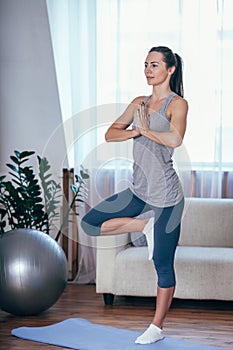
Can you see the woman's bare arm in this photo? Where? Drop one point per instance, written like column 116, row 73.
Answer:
column 118, row 130
column 173, row 137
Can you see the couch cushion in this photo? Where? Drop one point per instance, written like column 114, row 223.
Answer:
column 201, row 273
column 134, row 274
column 207, row 222
column 204, row 273
column 138, row 239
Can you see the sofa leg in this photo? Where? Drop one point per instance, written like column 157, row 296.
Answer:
column 108, row 298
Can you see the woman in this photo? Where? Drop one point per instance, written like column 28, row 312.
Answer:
column 158, row 126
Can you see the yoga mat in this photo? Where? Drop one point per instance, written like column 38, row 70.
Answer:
column 78, row 333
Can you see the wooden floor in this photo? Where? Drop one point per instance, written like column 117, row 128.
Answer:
column 202, row 322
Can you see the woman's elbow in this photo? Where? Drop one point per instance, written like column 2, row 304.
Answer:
column 110, row 135
column 175, row 142
column 107, row 137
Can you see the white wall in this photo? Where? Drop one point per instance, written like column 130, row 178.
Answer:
column 30, row 115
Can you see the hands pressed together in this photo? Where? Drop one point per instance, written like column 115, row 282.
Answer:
column 142, row 119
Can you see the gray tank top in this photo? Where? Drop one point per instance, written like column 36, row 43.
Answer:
column 155, row 180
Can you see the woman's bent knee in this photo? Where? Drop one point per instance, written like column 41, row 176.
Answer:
column 90, row 226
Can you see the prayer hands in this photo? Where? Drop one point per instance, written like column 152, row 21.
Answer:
column 142, row 118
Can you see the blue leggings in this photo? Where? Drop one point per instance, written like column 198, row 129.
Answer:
column 166, row 228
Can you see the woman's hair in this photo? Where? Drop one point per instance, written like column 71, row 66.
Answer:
column 172, row 59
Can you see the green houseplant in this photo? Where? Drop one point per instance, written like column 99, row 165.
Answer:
column 32, row 201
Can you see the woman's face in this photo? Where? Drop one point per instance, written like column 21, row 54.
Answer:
column 156, row 71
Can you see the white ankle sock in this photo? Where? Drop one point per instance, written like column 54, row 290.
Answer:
column 149, row 233
column 151, row 335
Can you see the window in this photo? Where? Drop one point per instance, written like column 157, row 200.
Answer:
column 100, row 48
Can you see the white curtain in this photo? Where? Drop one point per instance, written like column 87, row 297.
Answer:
column 99, row 50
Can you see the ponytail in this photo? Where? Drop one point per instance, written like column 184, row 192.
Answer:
column 172, row 59
column 176, row 82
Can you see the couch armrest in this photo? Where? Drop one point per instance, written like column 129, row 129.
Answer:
column 107, row 249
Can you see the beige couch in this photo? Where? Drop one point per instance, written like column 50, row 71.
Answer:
column 203, row 262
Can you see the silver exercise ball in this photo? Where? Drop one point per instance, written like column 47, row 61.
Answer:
column 33, row 271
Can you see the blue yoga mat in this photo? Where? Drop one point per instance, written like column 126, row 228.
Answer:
column 78, row 333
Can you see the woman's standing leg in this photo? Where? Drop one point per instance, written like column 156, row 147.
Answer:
column 166, row 237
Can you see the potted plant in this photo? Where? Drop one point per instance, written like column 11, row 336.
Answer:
column 28, row 201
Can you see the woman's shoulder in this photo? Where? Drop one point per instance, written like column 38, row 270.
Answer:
column 179, row 101
column 138, row 99
column 178, row 106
